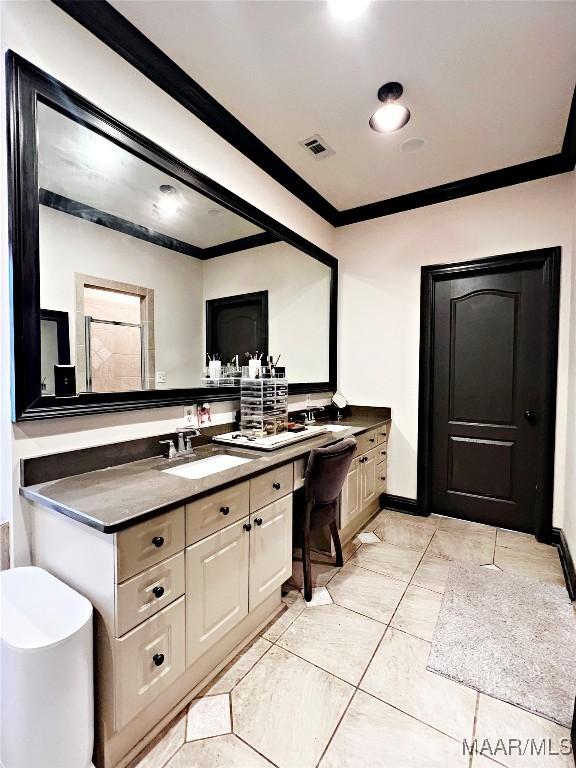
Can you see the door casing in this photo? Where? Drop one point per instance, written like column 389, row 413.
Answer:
column 549, row 260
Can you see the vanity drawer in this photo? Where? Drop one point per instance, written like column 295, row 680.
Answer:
column 148, row 660
column 144, row 595
column 210, row 514
column 366, row 441
column 148, row 543
column 270, row 487
column 382, row 453
column 381, row 477
column 382, row 433
column 299, row 473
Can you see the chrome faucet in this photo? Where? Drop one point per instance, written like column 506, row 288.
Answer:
column 309, row 417
column 184, row 438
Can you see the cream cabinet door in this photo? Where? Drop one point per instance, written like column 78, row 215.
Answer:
column 270, row 549
column 350, row 499
column 368, row 485
column 216, row 587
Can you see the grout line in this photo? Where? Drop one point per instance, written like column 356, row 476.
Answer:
column 474, row 725
column 412, row 717
column 255, row 750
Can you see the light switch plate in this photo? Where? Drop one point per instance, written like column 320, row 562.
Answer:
column 160, row 377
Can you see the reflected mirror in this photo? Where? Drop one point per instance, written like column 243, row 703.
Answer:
column 150, row 284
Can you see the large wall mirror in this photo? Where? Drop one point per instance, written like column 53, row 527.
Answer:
column 139, row 282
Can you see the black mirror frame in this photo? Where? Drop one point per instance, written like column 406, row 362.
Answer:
column 26, row 84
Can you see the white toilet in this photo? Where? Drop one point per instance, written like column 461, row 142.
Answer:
column 46, row 672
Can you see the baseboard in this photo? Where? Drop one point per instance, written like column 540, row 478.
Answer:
column 400, row 503
column 559, row 539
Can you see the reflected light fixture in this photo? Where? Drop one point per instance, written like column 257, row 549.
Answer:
column 169, row 202
column 347, row 10
column 391, row 116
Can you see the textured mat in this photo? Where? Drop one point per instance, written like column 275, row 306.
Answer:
column 508, row 637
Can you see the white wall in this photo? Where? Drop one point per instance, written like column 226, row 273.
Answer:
column 379, row 318
column 69, row 245
column 569, row 522
column 298, row 302
column 46, row 36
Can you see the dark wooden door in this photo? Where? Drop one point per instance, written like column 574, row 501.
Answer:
column 236, row 325
column 491, row 397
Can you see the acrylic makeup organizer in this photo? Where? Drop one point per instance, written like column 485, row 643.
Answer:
column 263, row 403
column 228, row 376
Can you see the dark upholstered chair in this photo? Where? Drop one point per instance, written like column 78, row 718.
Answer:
column 325, row 475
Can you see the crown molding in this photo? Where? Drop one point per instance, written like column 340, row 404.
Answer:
column 119, row 34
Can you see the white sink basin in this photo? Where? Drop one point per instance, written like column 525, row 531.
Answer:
column 204, row 467
column 338, row 427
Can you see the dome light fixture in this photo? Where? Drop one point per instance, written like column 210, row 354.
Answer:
column 347, row 10
column 391, row 116
column 169, row 201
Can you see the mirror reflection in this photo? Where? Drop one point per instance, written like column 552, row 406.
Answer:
column 146, row 283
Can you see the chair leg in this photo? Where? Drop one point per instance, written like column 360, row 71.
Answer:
column 306, row 565
column 337, row 545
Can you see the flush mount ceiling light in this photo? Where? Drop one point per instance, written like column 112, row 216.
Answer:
column 169, row 202
column 346, row 10
column 391, row 116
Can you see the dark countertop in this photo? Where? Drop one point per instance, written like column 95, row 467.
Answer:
column 117, row 497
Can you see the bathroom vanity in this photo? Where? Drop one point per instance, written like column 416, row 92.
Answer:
column 182, row 572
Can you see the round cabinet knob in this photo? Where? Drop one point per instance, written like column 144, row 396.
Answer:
column 158, row 591
column 383, row 453
column 158, row 541
column 383, row 477
column 224, row 510
column 247, row 527
column 371, row 440
column 529, row 415
column 158, row 659
column 276, row 486
column 258, row 521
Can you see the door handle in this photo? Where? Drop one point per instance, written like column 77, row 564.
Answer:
column 529, row 415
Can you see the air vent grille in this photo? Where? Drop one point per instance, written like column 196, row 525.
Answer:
column 317, row 147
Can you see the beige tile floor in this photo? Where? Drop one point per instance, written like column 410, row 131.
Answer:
column 342, row 682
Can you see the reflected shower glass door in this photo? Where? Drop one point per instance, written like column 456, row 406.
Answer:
column 114, row 356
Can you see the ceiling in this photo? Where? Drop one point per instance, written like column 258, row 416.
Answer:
column 489, row 84
column 81, row 165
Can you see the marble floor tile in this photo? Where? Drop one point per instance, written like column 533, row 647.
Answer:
column 468, row 549
column 522, row 542
column 209, row 716
column 366, row 592
column 387, row 559
column 238, row 667
column 432, row 573
column 541, row 566
column 499, row 720
column 221, row 752
column 287, row 709
column 320, row 596
column 418, row 612
column 375, row 521
column 397, row 674
column 465, row 527
column 427, row 521
column 374, row 735
column 321, row 574
column 350, row 547
column 335, row 639
column 294, row 605
column 404, row 534
column 368, row 537
column 164, row 746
